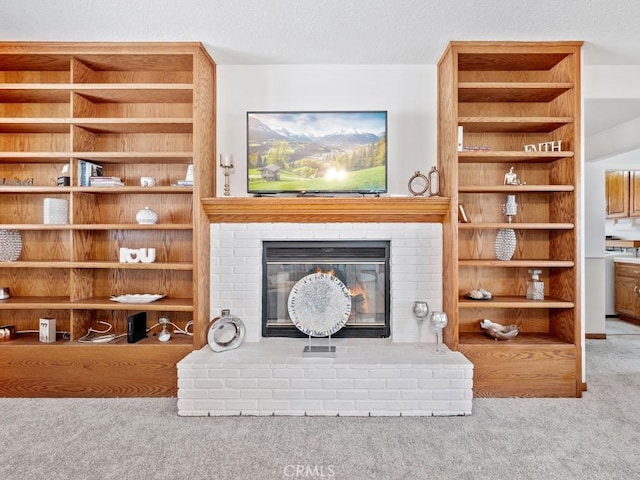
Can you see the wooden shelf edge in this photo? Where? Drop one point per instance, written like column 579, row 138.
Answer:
column 502, row 156
column 516, row 226
column 523, row 340
column 97, row 264
column 322, row 209
column 514, row 302
column 533, row 263
column 515, row 189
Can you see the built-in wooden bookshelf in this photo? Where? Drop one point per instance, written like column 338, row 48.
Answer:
column 506, row 95
column 136, row 109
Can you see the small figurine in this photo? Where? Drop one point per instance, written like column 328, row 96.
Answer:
column 510, row 178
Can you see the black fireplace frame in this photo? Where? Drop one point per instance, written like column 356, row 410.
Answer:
column 332, row 249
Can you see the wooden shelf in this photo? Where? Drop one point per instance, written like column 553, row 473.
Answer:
column 534, row 263
column 510, row 91
column 98, row 265
column 513, row 189
column 523, row 339
column 484, row 156
column 516, row 226
column 321, row 210
column 513, row 124
column 514, row 302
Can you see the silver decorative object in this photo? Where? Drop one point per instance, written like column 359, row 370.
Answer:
column 10, row 245
column 498, row 331
column 421, row 311
column 438, row 321
column 434, row 182
column 226, row 163
column 226, row 332
column 535, row 286
column 505, row 245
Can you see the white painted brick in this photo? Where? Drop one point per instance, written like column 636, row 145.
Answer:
column 224, row 413
column 185, row 383
column 208, row 383
column 416, row 373
column 307, row 405
column 321, row 373
column 434, row 384
column 466, row 384
column 338, row 383
column 421, row 394
column 435, row 405
column 288, row 394
column 240, row 383
column 402, row 383
column 353, row 373
column 384, row 394
column 223, row 373
column 273, row 405
column 306, row 383
column 257, row 393
column 449, row 394
column 208, row 404
column 224, row 394
column 256, row 373
column 320, row 394
column 193, row 393
column 385, row 413
column 369, row 383
column 288, row 373
column 273, row 383
column 338, row 405
column 352, row 394
column 449, row 373
column 242, row 404
column 402, row 405
column 382, row 373
column 370, row 405
column 192, row 373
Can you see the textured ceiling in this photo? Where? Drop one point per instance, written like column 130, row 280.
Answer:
column 332, row 31
column 341, row 31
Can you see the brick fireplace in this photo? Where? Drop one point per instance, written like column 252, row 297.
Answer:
column 398, row 375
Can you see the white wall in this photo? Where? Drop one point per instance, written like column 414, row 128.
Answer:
column 408, row 93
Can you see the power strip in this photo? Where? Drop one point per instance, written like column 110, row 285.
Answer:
column 104, row 338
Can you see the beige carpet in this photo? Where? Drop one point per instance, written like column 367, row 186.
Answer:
column 596, row 437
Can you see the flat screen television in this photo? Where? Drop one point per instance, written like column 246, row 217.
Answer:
column 317, row 152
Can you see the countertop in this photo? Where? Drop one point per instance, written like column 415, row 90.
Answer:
column 627, row 260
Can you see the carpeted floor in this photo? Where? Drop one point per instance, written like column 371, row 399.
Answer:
column 595, row 437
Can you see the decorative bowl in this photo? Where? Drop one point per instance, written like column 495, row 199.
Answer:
column 498, row 331
column 137, row 298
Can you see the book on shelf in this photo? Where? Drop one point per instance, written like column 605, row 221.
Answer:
column 86, row 170
column 184, row 183
column 105, row 182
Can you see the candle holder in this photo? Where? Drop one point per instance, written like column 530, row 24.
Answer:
column 226, row 163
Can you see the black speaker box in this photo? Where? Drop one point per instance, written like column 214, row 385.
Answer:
column 136, row 327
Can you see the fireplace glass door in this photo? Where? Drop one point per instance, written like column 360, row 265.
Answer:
column 362, row 266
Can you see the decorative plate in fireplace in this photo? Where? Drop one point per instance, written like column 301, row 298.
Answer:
column 319, row 304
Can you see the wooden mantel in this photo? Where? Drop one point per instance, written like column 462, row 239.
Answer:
column 326, row 210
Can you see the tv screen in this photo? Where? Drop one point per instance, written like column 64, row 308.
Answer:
column 317, row 152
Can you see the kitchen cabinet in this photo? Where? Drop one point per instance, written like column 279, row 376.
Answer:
column 622, row 191
column 627, row 289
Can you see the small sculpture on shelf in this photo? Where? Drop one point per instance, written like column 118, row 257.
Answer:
column 511, row 178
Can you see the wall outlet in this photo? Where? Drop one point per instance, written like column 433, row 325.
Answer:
column 47, row 330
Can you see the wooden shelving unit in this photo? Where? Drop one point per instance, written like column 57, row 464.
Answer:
column 507, row 95
column 137, row 109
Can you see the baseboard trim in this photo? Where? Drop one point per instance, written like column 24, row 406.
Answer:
column 595, row 336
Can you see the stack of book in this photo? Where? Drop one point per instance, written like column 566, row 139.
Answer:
column 86, row 170
column 105, row 182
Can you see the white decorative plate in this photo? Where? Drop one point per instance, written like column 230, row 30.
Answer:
column 137, row 298
column 319, row 304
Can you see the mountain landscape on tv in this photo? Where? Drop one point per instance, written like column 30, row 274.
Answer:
column 316, row 152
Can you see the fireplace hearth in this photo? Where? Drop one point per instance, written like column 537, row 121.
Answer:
column 362, row 266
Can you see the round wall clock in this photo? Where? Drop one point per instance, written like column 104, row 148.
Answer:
column 319, row 304
column 418, row 184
